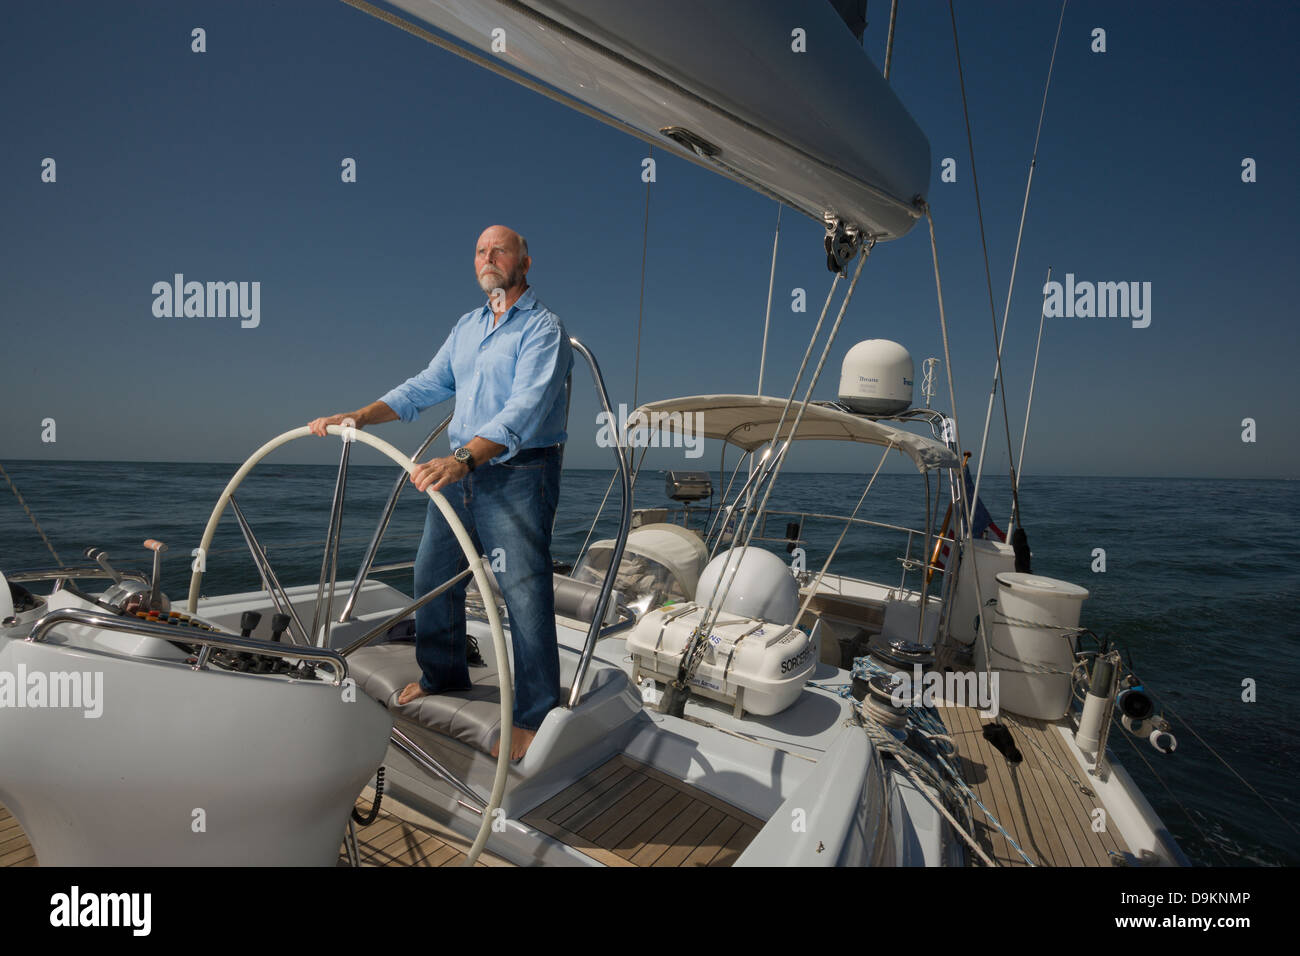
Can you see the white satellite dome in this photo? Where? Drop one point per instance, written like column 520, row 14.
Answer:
column 762, row 587
column 876, row 378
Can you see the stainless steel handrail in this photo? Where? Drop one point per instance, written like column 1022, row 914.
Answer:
column 206, row 639
column 72, row 571
column 625, row 524
column 397, row 566
column 864, row 521
column 373, row 548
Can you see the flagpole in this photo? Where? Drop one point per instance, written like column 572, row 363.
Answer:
column 938, row 545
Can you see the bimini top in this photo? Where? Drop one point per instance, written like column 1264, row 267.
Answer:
column 748, row 422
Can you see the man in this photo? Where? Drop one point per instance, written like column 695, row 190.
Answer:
column 506, row 364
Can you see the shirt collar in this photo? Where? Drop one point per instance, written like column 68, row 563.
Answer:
column 526, row 301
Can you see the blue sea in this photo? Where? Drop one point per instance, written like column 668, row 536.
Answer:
column 1199, row 588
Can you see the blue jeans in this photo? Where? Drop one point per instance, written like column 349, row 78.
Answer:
column 509, row 507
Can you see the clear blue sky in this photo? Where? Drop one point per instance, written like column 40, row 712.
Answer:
column 225, row 166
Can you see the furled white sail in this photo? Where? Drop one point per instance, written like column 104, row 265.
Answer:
column 777, row 93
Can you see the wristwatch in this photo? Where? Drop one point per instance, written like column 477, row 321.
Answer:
column 464, row 456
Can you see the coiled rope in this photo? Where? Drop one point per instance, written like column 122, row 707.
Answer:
column 928, row 725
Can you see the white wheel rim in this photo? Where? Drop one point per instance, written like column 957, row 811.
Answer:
column 505, row 679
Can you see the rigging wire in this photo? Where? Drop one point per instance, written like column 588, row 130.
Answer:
column 1000, row 338
column 640, row 308
column 694, row 651
column 1244, row 781
column 35, row 523
column 812, row 591
column 767, row 317
column 601, row 510
column 1172, row 796
column 779, row 459
column 965, row 500
column 770, row 457
column 1033, row 378
column 1015, row 259
column 984, row 246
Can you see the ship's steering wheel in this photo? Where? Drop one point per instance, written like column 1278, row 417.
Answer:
column 476, row 566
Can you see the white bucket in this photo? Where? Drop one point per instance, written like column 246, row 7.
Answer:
column 1029, row 630
column 989, row 558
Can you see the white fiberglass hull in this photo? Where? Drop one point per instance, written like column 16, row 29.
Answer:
column 180, row 766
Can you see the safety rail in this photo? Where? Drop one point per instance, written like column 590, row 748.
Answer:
column 909, row 562
column 397, row 566
column 207, row 640
column 802, row 515
column 624, row 525
column 72, row 571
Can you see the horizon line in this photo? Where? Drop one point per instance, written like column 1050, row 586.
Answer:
column 160, row 461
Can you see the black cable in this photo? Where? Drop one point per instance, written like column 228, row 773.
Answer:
column 369, row 818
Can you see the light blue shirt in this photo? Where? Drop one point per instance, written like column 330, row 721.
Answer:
column 508, row 381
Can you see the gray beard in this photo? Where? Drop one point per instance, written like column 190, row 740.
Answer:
column 488, row 282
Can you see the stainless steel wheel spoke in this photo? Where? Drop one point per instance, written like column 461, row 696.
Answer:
column 269, row 580
column 404, row 613
column 330, row 561
column 373, row 548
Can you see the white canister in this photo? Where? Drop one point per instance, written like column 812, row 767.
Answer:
column 1031, row 643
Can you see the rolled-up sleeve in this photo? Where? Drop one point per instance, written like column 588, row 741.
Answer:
column 544, row 360
column 426, row 388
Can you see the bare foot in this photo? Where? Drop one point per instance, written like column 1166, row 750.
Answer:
column 519, row 741
column 410, row 692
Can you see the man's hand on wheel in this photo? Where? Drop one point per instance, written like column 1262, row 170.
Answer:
column 318, row 425
column 438, row 473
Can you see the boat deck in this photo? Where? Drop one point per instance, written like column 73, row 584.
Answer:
column 14, row 848
column 1038, row 801
column 625, row 813
column 398, row 837
column 401, row 836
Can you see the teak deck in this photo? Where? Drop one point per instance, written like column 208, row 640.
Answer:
column 1036, row 802
column 401, row 836
column 402, row 839
column 625, row 813
column 14, row 848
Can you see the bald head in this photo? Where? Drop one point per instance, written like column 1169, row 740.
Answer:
column 501, row 261
column 504, row 235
